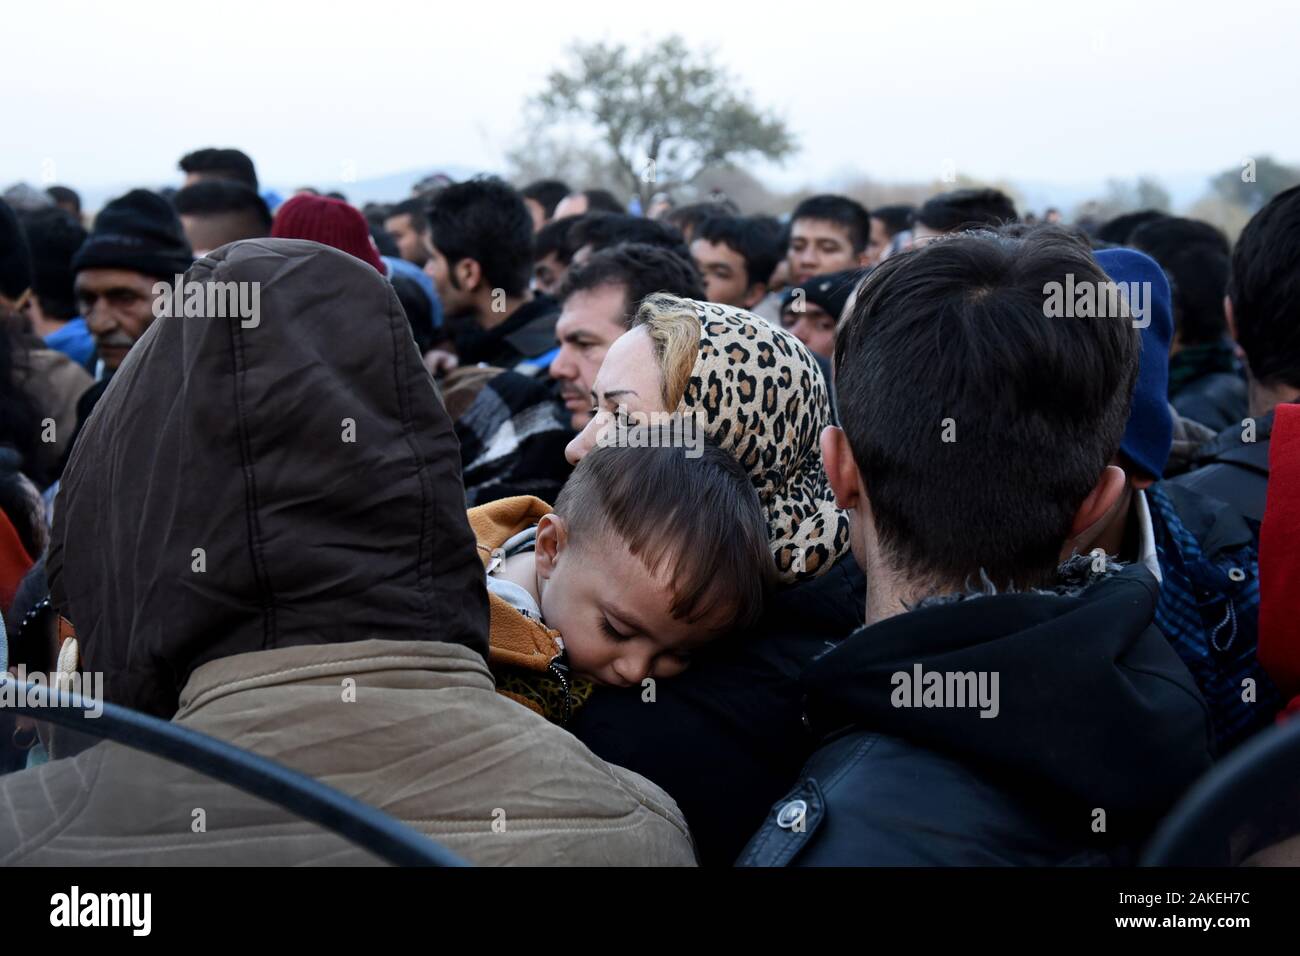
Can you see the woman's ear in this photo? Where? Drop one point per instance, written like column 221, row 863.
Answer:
column 841, row 469
column 552, row 539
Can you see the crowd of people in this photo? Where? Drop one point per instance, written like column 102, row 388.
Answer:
column 568, row 535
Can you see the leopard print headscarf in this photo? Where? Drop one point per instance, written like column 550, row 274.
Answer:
column 762, row 397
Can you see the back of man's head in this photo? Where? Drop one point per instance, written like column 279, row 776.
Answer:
column 547, row 193
column 601, row 230
column 555, row 238
column 220, row 164
column 1118, row 229
column 484, row 219
column 602, row 200
column 54, row 238
column 978, row 424
column 841, row 210
column 1265, row 291
column 687, row 218
column 640, row 269
column 1195, row 257
column 756, row 239
column 217, row 211
column 896, row 219
column 65, row 198
column 964, row 209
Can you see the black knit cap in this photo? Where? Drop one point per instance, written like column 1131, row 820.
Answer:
column 830, row 291
column 15, row 257
column 140, row 232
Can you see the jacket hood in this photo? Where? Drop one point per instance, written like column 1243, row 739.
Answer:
column 1093, row 707
column 252, row 483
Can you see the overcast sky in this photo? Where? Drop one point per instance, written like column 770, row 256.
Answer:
column 111, row 93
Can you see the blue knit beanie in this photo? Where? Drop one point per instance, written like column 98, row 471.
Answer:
column 1150, row 431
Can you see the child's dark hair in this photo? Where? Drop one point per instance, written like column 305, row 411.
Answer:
column 701, row 515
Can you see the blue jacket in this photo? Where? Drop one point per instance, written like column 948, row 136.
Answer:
column 1209, row 606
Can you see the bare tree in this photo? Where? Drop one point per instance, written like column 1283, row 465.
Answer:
column 664, row 115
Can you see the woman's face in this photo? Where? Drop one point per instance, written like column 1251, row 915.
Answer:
column 629, row 379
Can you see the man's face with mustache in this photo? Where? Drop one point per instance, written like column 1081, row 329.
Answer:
column 592, row 319
column 117, row 305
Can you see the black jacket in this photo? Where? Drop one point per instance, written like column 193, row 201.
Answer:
column 527, row 334
column 1233, row 470
column 1217, row 400
column 724, row 739
column 1095, row 715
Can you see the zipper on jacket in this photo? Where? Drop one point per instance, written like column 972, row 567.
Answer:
column 560, row 671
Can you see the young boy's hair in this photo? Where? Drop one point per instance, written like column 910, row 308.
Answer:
column 698, row 516
column 978, row 423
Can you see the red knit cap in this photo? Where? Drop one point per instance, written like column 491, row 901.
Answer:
column 330, row 222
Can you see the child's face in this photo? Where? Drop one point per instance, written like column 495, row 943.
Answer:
column 611, row 613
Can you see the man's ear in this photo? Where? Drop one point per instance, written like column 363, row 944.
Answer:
column 1097, row 510
column 468, row 274
column 552, row 539
column 841, row 469
column 1229, row 318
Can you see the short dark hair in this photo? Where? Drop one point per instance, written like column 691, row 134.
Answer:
column 955, row 334
column 600, row 230
column 602, row 200
column 417, row 209
column 1265, row 290
column 1118, row 229
column 54, row 238
column 698, row 517
column 62, row 194
column 896, row 218
column 1163, row 236
column 223, row 163
column 1196, row 258
column 556, row 237
column 484, row 219
column 547, row 193
column 754, row 239
column 964, row 209
column 641, row 269
column 224, row 197
column 689, row 217
column 841, row 210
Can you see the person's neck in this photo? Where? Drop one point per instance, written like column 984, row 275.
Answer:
column 1122, row 529
column 488, row 318
column 889, row 595
column 521, row 569
column 1264, row 398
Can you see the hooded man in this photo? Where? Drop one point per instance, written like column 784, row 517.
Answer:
column 262, row 535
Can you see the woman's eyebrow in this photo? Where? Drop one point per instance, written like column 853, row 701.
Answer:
column 613, row 392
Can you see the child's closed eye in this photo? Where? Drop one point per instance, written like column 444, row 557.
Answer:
column 610, row 632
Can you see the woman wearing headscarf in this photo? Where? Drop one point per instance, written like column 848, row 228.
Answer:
column 755, row 390
column 726, row 737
